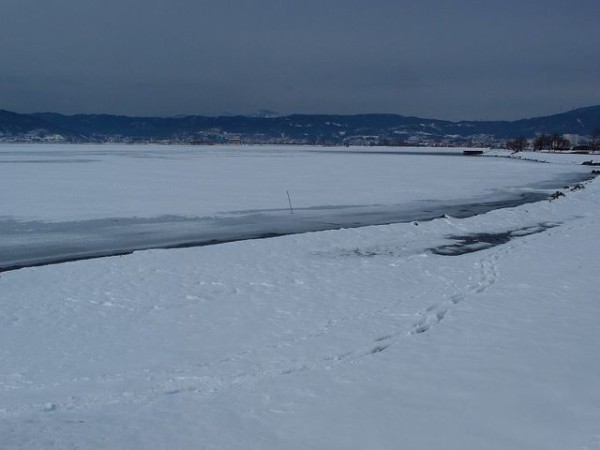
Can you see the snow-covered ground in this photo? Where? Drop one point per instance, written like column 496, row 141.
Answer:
column 378, row 337
column 63, row 202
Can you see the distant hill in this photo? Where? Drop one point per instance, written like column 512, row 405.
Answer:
column 270, row 128
column 13, row 124
column 583, row 121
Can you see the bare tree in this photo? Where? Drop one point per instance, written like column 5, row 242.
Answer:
column 564, row 144
column 596, row 139
column 557, row 142
column 517, row 145
column 541, row 142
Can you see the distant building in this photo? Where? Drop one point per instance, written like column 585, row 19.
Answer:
column 572, row 138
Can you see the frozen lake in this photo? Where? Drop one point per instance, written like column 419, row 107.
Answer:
column 67, row 202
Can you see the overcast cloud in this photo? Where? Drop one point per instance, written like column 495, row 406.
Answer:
column 458, row 59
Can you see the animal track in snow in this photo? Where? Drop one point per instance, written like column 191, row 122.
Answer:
column 434, row 314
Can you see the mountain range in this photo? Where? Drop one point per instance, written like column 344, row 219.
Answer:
column 297, row 128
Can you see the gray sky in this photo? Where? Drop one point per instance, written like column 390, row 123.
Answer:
column 453, row 59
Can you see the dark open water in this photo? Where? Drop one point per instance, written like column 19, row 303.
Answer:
column 28, row 244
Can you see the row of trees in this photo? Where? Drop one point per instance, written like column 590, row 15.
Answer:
column 552, row 141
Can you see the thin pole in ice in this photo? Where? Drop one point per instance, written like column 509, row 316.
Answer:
column 290, row 202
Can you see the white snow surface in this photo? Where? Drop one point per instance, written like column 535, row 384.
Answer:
column 68, row 183
column 352, row 339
